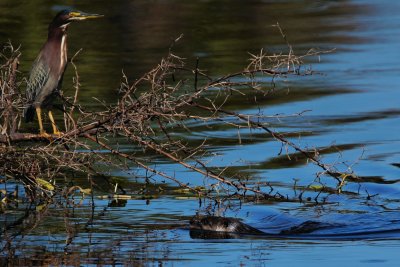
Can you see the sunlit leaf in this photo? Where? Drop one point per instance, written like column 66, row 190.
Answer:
column 185, row 198
column 86, row 191
column 121, row 197
column 316, row 187
column 40, row 207
column 182, row 191
column 45, row 184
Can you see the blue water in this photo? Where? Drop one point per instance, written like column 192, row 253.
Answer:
column 353, row 104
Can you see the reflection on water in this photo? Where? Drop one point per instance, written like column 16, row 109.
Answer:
column 354, row 104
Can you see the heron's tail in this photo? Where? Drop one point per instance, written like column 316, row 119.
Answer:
column 29, row 113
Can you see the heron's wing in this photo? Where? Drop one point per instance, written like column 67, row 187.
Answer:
column 38, row 77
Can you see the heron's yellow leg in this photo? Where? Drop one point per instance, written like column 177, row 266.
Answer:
column 53, row 124
column 39, row 115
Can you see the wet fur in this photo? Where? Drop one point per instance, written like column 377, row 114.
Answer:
column 231, row 227
column 221, row 224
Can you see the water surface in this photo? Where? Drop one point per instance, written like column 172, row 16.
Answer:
column 353, row 104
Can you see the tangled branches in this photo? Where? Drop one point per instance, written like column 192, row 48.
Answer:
column 147, row 115
column 9, row 100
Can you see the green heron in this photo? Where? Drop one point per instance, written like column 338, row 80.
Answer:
column 47, row 71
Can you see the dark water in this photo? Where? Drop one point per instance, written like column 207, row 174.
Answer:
column 354, row 104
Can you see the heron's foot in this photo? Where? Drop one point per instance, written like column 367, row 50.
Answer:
column 45, row 135
column 58, row 133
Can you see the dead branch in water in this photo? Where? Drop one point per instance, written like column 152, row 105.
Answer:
column 147, row 115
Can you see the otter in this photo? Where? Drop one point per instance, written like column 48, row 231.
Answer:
column 222, row 224
column 226, row 227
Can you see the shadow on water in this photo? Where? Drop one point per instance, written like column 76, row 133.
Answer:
column 352, row 114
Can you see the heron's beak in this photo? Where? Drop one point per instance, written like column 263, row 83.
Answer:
column 78, row 15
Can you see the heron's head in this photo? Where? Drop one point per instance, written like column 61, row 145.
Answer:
column 64, row 17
